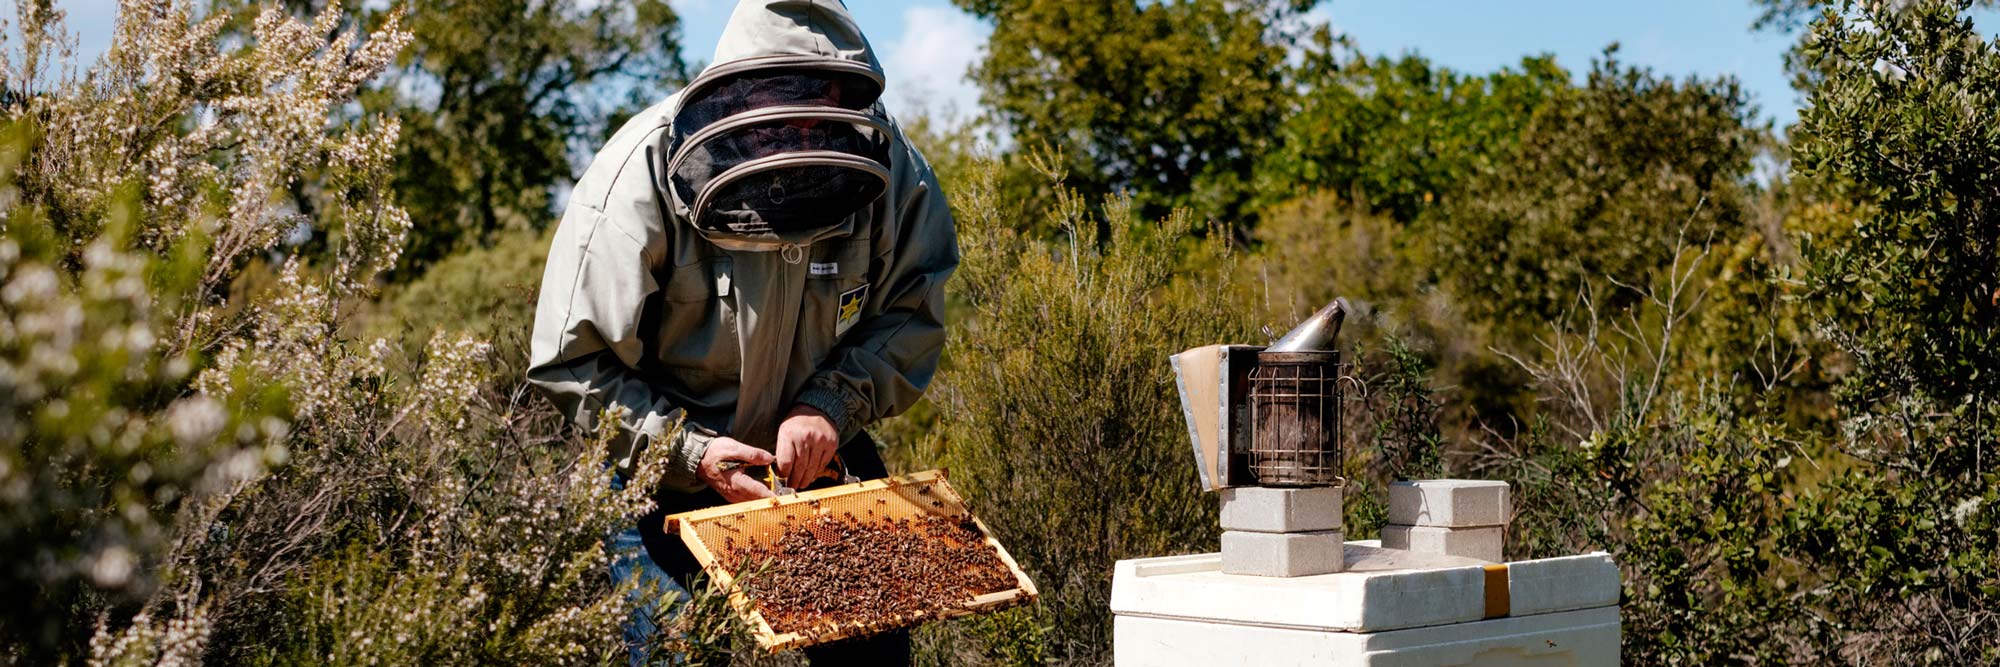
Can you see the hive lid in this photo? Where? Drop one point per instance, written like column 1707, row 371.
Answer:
column 1381, row 589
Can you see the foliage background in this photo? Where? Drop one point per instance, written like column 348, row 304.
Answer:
column 265, row 276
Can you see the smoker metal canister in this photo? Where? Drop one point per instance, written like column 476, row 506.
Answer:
column 1295, row 410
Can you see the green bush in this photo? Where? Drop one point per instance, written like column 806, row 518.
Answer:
column 1320, row 246
column 487, row 292
column 1058, row 414
column 1685, row 488
column 1602, row 180
column 102, row 448
column 1861, row 534
column 198, row 469
column 1904, row 127
column 131, row 207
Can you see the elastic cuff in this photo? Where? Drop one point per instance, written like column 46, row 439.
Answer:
column 841, row 407
column 690, row 444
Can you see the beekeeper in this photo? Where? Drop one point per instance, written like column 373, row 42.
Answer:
column 761, row 258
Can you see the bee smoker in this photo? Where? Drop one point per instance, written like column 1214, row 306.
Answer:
column 1295, row 392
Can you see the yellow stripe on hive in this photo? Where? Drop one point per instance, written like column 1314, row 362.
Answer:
column 1498, row 602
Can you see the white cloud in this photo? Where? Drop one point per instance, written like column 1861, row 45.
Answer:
column 929, row 64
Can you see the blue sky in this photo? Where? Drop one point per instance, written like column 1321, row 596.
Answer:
column 1706, row 37
column 927, row 45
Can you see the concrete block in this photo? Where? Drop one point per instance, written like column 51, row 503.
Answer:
column 1562, row 584
column 1266, row 510
column 1450, row 503
column 1481, row 543
column 1282, row 554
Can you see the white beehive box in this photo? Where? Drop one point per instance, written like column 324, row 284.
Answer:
column 1388, row 607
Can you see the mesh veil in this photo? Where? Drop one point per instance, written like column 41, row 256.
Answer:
column 778, row 151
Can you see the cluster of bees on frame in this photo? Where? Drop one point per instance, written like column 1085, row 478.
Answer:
column 827, row 572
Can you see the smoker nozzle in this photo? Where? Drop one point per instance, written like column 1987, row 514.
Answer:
column 1317, row 333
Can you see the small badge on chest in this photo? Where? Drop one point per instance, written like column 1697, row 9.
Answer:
column 850, row 309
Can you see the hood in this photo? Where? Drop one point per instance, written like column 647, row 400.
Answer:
column 778, row 33
column 797, row 71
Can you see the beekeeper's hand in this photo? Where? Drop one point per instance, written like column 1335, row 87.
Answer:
column 734, row 483
column 806, row 441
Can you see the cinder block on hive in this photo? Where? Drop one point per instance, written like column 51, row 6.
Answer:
column 1481, row 543
column 1282, row 554
column 1451, row 503
column 1267, row 510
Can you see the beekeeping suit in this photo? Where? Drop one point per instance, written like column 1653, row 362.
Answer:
column 762, row 239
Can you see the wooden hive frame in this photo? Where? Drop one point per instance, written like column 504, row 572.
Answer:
column 905, row 496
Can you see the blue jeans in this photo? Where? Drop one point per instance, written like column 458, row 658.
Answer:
column 629, row 562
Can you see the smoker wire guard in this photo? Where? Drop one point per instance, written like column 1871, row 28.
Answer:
column 1295, row 418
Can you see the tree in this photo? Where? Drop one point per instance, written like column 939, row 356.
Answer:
column 1904, row 128
column 1880, row 549
column 1398, row 135
column 1171, row 102
column 1602, row 181
column 519, row 86
column 1790, row 16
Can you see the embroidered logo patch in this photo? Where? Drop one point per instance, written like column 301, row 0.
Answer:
column 823, row 268
column 850, row 309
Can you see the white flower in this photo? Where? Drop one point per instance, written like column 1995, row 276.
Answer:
column 112, row 567
column 1965, row 510
column 196, row 420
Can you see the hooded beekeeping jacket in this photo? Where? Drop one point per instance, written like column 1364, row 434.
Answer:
column 667, row 294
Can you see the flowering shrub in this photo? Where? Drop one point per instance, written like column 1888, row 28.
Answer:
column 99, row 441
column 201, row 462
